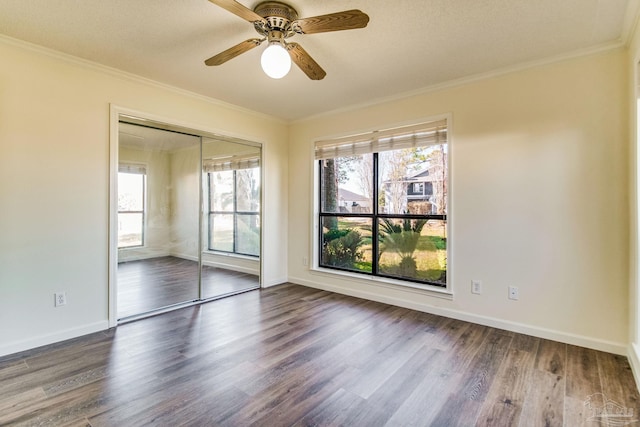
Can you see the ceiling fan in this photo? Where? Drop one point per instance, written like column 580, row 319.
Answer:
column 275, row 22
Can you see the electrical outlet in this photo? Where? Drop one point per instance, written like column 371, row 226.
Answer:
column 305, row 261
column 513, row 293
column 476, row 287
column 60, row 299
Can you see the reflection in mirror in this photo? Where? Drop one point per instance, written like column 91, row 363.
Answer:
column 158, row 219
column 231, row 219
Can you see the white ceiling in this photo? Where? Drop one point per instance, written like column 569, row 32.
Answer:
column 409, row 45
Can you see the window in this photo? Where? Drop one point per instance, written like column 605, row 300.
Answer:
column 417, row 188
column 131, row 205
column 399, row 178
column 234, row 206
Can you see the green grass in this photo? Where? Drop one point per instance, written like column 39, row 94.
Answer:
column 432, row 243
column 363, row 266
column 431, row 275
column 430, row 253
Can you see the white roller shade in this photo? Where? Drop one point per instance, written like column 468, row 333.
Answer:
column 132, row 168
column 419, row 135
column 247, row 161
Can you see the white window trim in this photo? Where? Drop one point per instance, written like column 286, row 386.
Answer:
column 142, row 169
column 431, row 290
column 248, row 162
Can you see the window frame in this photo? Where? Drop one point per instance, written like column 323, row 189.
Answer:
column 235, row 212
column 142, row 170
column 433, row 288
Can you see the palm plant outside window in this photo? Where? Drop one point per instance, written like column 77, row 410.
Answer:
column 383, row 203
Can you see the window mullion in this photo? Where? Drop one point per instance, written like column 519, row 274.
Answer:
column 320, row 209
column 374, row 219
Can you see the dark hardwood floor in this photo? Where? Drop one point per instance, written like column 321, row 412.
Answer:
column 295, row 356
column 150, row 284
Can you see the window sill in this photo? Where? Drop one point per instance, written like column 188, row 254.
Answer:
column 130, row 248
column 434, row 291
column 232, row 255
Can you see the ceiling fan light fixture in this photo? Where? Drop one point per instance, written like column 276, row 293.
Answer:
column 276, row 21
column 275, row 61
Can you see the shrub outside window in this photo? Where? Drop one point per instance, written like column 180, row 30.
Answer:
column 383, row 203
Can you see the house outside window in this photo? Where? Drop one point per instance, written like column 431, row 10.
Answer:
column 416, row 188
column 131, row 205
column 234, row 207
column 383, row 204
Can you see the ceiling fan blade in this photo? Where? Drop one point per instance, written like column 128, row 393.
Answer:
column 238, row 9
column 347, row 20
column 234, row 51
column 305, row 62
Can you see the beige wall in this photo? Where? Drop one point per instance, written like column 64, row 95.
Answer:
column 539, row 199
column 54, row 186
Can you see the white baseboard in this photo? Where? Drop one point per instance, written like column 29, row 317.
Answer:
column 232, row 267
column 225, row 266
column 184, row 256
column 274, row 282
column 140, row 256
column 30, row 343
column 633, row 354
column 550, row 334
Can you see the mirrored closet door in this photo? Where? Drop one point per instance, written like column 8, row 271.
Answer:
column 188, row 219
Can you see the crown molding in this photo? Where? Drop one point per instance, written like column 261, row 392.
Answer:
column 450, row 84
column 630, row 21
column 124, row 75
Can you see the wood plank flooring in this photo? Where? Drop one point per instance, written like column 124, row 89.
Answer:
column 150, row 284
column 296, row 356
